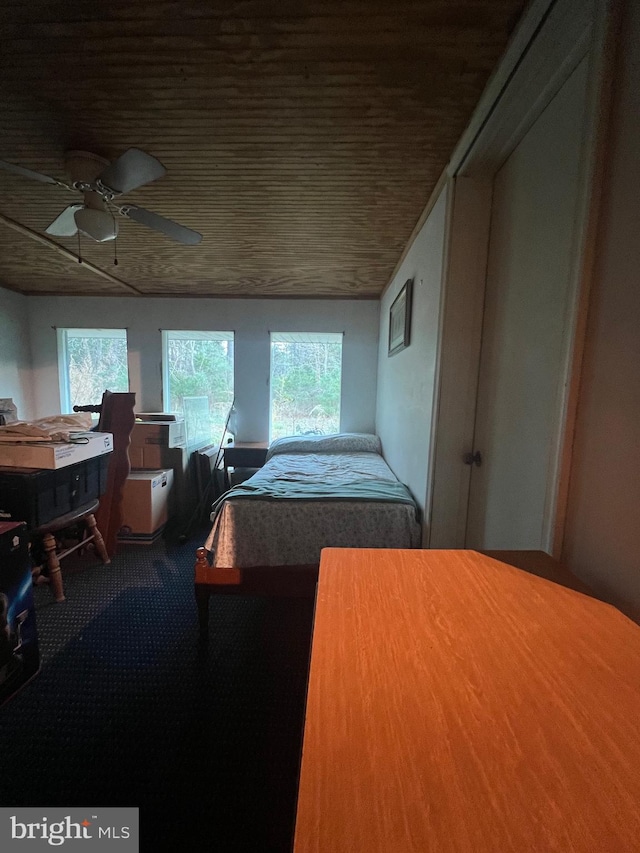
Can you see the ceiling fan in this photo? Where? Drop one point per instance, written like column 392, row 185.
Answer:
column 100, row 182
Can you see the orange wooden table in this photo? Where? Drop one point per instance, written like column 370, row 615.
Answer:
column 456, row 703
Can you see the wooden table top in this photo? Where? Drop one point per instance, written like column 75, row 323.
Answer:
column 457, row 703
column 246, row 445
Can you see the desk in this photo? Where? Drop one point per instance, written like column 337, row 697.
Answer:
column 456, row 703
column 50, row 500
column 246, row 454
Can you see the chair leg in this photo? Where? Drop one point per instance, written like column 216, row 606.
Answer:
column 55, row 575
column 101, row 548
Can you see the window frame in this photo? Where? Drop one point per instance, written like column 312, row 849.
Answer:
column 62, row 339
column 190, row 335
column 302, row 338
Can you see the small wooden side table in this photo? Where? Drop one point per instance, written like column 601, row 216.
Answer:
column 245, row 454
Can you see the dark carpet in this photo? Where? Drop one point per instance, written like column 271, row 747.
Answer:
column 127, row 711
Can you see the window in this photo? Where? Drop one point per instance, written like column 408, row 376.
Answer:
column 306, row 376
column 198, row 381
column 90, row 362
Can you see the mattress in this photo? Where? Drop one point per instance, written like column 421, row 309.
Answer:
column 311, row 494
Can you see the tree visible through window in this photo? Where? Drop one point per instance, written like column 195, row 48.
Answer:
column 91, row 361
column 306, row 378
column 198, row 381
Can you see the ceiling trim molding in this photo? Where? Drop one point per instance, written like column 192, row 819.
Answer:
column 523, row 36
column 433, row 198
column 557, row 46
column 525, row 33
column 65, row 253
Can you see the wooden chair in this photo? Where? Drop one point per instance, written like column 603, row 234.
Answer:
column 96, row 522
column 53, row 550
column 117, row 417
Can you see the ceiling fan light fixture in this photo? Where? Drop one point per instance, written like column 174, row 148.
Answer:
column 100, row 181
column 96, row 224
column 64, row 225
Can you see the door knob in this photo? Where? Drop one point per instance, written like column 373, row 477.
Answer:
column 473, row 458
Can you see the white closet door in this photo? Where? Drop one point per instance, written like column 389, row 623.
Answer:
column 531, row 248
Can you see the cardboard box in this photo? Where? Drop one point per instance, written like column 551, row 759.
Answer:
column 155, row 457
column 166, row 434
column 145, row 505
column 55, row 454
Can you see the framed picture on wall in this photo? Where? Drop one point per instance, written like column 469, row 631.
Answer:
column 400, row 319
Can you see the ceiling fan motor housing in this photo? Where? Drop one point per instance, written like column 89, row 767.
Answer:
column 84, row 167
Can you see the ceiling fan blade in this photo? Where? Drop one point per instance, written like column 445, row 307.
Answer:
column 64, row 225
column 97, row 224
column 131, row 170
column 166, row 226
column 27, row 173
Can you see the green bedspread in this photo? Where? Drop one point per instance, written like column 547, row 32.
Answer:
column 383, row 491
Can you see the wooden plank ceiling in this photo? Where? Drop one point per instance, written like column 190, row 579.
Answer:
column 302, row 138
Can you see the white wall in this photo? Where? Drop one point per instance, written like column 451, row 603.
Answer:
column 602, row 537
column 250, row 319
column 15, row 353
column 406, row 380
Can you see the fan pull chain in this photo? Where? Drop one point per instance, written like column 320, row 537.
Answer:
column 79, row 249
column 115, row 242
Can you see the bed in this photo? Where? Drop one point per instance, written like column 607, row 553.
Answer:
column 313, row 492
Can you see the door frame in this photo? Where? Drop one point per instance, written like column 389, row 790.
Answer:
column 552, row 39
